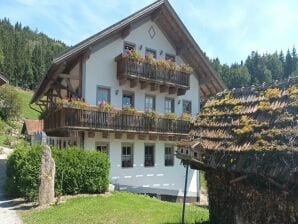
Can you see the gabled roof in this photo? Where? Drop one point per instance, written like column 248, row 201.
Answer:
column 168, row 21
column 32, row 126
column 3, row 79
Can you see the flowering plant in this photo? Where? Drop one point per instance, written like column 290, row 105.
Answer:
column 105, row 106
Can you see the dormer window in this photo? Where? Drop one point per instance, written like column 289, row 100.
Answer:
column 128, row 47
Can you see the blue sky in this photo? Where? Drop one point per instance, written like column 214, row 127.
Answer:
column 228, row 29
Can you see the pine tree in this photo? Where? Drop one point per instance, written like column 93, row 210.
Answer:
column 288, row 65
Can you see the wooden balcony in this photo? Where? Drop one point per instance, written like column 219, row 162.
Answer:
column 65, row 119
column 146, row 74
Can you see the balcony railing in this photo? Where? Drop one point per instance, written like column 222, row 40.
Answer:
column 144, row 71
column 89, row 119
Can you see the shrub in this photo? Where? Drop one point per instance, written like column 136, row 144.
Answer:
column 9, row 103
column 77, row 171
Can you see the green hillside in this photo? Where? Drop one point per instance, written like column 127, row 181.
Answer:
column 26, row 111
column 10, row 131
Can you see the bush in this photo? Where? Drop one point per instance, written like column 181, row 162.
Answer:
column 9, row 103
column 77, row 171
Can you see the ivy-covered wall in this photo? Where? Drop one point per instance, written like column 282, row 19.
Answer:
column 248, row 201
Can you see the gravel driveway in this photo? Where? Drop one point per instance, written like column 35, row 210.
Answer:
column 8, row 208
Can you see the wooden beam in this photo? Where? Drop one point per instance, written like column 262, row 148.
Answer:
column 118, row 135
column 153, row 86
column 68, row 76
column 144, row 84
column 133, row 83
column 163, row 88
column 181, row 92
column 238, row 179
column 130, row 135
column 141, row 136
column 172, row 90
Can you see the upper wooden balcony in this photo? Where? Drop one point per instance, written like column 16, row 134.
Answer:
column 173, row 81
column 65, row 119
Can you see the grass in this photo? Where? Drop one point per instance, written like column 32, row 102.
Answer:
column 26, row 111
column 120, row 207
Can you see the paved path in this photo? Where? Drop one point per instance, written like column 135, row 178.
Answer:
column 8, row 208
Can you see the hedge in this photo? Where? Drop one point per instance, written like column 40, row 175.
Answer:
column 77, row 171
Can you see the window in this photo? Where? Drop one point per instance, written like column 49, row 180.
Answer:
column 149, row 103
column 103, row 94
column 169, row 155
column 102, row 147
column 169, row 105
column 150, row 52
column 128, row 47
column 149, row 155
column 170, row 57
column 127, row 155
column 128, row 99
column 187, row 106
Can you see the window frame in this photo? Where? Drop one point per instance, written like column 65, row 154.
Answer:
column 129, row 44
column 170, row 56
column 154, row 102
column 133, row 98
column 152, row 51
column 132, row 154
column 187, row 101
column 98, row 87
column 167, row 155
column 152, row 164
column 172, row 105
column 99, row 143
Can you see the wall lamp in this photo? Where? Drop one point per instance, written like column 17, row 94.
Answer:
column 116, row 91
column 140, row 47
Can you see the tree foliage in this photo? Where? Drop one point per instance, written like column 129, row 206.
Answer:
column 9, row 103
column 25, row 55
column 258, row 69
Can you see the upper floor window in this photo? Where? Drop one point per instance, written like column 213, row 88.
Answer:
column 149, row 103
column 103, row 94
column 169, row 105
column 150, row 53
column 149, row 155
column 127, row 155
column 128, row 99
column 169, row 155
column 187, row 106
column 128, row 47
column 102, row 147
column 170, row 57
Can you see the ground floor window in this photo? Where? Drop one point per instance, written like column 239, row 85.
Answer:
column 169, row 155
column 149, row 155
column 127, row 155
column 102, row 147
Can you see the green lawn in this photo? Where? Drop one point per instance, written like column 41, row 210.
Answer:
column 120, row 207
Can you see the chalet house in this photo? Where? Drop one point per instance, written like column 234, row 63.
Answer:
column 128, row 92
column 3, row 79
column 247, row 142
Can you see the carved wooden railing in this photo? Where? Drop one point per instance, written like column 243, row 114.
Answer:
column 146, row 71
column 89, row 119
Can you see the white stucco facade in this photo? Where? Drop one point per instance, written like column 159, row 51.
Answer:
column 100, row 70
